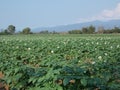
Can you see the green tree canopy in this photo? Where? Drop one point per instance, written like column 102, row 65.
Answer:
column 91, row 29
column 26, row 30
column 75, row 32
column 84, row 30
column 11, row 29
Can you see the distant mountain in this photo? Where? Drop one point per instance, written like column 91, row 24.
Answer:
column 64, row 28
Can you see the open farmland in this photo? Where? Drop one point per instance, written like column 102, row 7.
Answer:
column 60, row 62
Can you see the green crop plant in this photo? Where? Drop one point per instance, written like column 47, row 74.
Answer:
column 60, row 62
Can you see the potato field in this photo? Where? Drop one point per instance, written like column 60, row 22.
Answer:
column 60, row 62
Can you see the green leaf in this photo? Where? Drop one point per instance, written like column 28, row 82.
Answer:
column 34, row 88
column 9, row 80
column 66, row 81
column 59, row 88
column 18, row 76
column 31, row 79
column 83, row 82
column 16, row 70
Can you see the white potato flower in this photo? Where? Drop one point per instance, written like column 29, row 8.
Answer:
column 106, row 54
column 100, row 57
column 105, row 42
column 97, row 43
column 93, row 62
column 111, row 47
column 58, row 47
column 118, row 46
column 29, row 48
column 52, row 51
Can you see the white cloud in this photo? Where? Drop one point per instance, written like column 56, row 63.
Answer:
column 104, row 15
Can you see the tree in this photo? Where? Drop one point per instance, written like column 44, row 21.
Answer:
column 54, row 32
column 116, row 30
column 75, row 32
column 84, row 30
column 26, row 30
column 4, row 32
column 91, row 29
column 101, row 29
column 44, row 32
column 11, row 29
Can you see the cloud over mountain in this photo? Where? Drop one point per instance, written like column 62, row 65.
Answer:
column 112, row 14
column 104, row 15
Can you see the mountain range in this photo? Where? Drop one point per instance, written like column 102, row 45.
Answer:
column 64, row 28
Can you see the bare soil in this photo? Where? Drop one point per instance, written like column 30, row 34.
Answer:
column 3, row 86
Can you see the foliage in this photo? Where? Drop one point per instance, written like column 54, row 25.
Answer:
column 61, row 62
column 11, row 29
column 114, row 30
column 91, row 29
column 26, row 30
column 75, row 32
column 85, row 30
column 44, row 32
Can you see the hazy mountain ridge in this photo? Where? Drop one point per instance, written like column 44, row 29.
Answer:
column 64, row 28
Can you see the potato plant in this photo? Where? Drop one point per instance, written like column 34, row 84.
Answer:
column 60, row 62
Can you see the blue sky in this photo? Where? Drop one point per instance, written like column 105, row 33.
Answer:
column 42, row 13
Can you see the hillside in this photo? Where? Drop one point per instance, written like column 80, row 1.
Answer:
column 64, row 28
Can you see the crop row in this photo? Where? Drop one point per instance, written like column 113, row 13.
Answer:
column 60, row 63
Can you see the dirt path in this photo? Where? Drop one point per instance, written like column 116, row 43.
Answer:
column 3, row 86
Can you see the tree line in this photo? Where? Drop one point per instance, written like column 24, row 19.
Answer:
column 85, row 30
column 11, row 29
column 92, row 30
